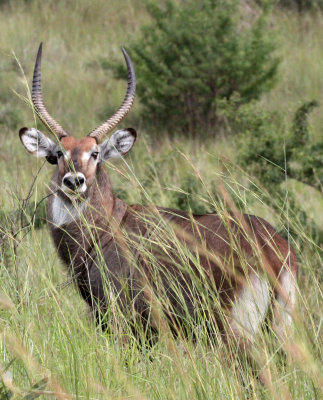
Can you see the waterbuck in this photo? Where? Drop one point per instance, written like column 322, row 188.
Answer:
column 241, row 260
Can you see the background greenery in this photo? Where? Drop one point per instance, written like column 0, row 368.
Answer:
column 265, row 154
column 191, row 55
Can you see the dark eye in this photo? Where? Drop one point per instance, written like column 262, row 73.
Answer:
column 59, row 154
column 95, row 155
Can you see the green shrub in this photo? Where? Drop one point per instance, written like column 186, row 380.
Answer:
column 306, row 157
column 272, row 153
column 193, row 54
column 263, row 143
column 268, row 150
column 301, row 5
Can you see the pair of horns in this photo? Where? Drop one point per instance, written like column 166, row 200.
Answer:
column 101, row 130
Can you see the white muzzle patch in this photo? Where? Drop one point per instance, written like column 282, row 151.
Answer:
column 74, row 183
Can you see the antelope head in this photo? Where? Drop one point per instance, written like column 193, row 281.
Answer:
column 78, row 160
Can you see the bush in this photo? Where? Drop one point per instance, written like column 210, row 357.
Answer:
column 261, row 140
column 306, row 157
column 271, row 152
column 301, row 5
column 195, row 53
column 268, row 150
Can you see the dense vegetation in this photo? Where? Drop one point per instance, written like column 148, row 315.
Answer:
column 263, row 155
column 191, row 55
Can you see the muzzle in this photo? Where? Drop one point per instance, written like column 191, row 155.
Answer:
column 74, row 182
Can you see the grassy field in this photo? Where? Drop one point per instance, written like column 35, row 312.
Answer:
column 50, row 345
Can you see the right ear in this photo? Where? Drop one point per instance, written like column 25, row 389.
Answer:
column 118, row 144
column 38, row 144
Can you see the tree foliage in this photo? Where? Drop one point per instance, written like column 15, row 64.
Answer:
column 270, row 151
column 273, row 153
column 302, row 5
column 194, row 53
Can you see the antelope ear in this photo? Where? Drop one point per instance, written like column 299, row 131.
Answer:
column 118, row 144
column 38, row 144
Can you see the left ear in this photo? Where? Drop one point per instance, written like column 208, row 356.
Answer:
column 118, row 144
column 39, row 145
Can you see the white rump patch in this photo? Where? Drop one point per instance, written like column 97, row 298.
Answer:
column 285, row 303
column 65, row 212
column 250, row 307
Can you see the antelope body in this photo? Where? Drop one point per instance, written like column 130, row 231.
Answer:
column 98, row 235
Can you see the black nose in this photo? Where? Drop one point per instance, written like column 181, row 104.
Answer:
column 73, row 182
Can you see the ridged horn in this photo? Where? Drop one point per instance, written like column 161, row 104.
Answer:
column 125, row 107
column 38, row 102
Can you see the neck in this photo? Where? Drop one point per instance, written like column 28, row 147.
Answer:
column 99, row 206
column 75, row 226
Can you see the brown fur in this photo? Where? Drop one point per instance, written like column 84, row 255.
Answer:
column 77, row 147
column 218, row 240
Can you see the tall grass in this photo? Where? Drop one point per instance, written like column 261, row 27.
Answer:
column 49, row 342
column 300, row 75
column 48, row 330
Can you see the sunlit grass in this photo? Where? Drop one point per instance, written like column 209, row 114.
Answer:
column 63, row 344
column 300, row 76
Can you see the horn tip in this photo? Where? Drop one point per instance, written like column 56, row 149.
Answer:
column 40, row 49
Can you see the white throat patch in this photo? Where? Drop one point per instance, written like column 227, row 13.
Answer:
column 65, row 212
